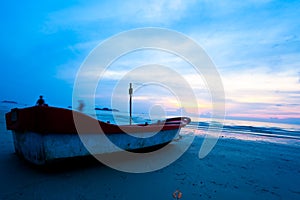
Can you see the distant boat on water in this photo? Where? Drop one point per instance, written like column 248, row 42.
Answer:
column 42, row 134
column 9, row 102
column 107, row 109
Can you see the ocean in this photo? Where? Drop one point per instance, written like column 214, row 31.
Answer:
column 237, row 129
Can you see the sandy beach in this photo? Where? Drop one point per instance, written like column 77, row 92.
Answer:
column 234, row 169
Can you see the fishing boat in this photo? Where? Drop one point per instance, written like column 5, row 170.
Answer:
column 42, row 134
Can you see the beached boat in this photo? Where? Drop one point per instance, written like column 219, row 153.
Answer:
column 42, row 134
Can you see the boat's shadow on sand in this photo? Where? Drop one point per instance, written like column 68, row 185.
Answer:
column 65, row 165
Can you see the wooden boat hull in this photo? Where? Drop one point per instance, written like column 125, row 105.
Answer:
column 39, row 143
column 43, row 148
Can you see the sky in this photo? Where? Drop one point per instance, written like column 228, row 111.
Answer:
column 254, row 45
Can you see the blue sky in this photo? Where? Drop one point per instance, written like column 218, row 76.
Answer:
column 254, row 44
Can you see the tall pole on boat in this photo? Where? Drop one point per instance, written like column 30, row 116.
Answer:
column 130, row 103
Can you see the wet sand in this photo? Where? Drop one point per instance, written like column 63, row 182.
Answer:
column 234, row 169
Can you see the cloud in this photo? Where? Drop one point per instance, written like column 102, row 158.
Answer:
column 248, row 48
column 255, row 58
column 261, row 87
column 150, row 12
column 243, row 85
column 254, row 45
column 223, row 8
column 262, row 109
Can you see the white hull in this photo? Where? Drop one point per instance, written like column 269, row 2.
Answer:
column 43, row 148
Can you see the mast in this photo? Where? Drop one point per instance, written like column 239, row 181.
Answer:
column 130, row 103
